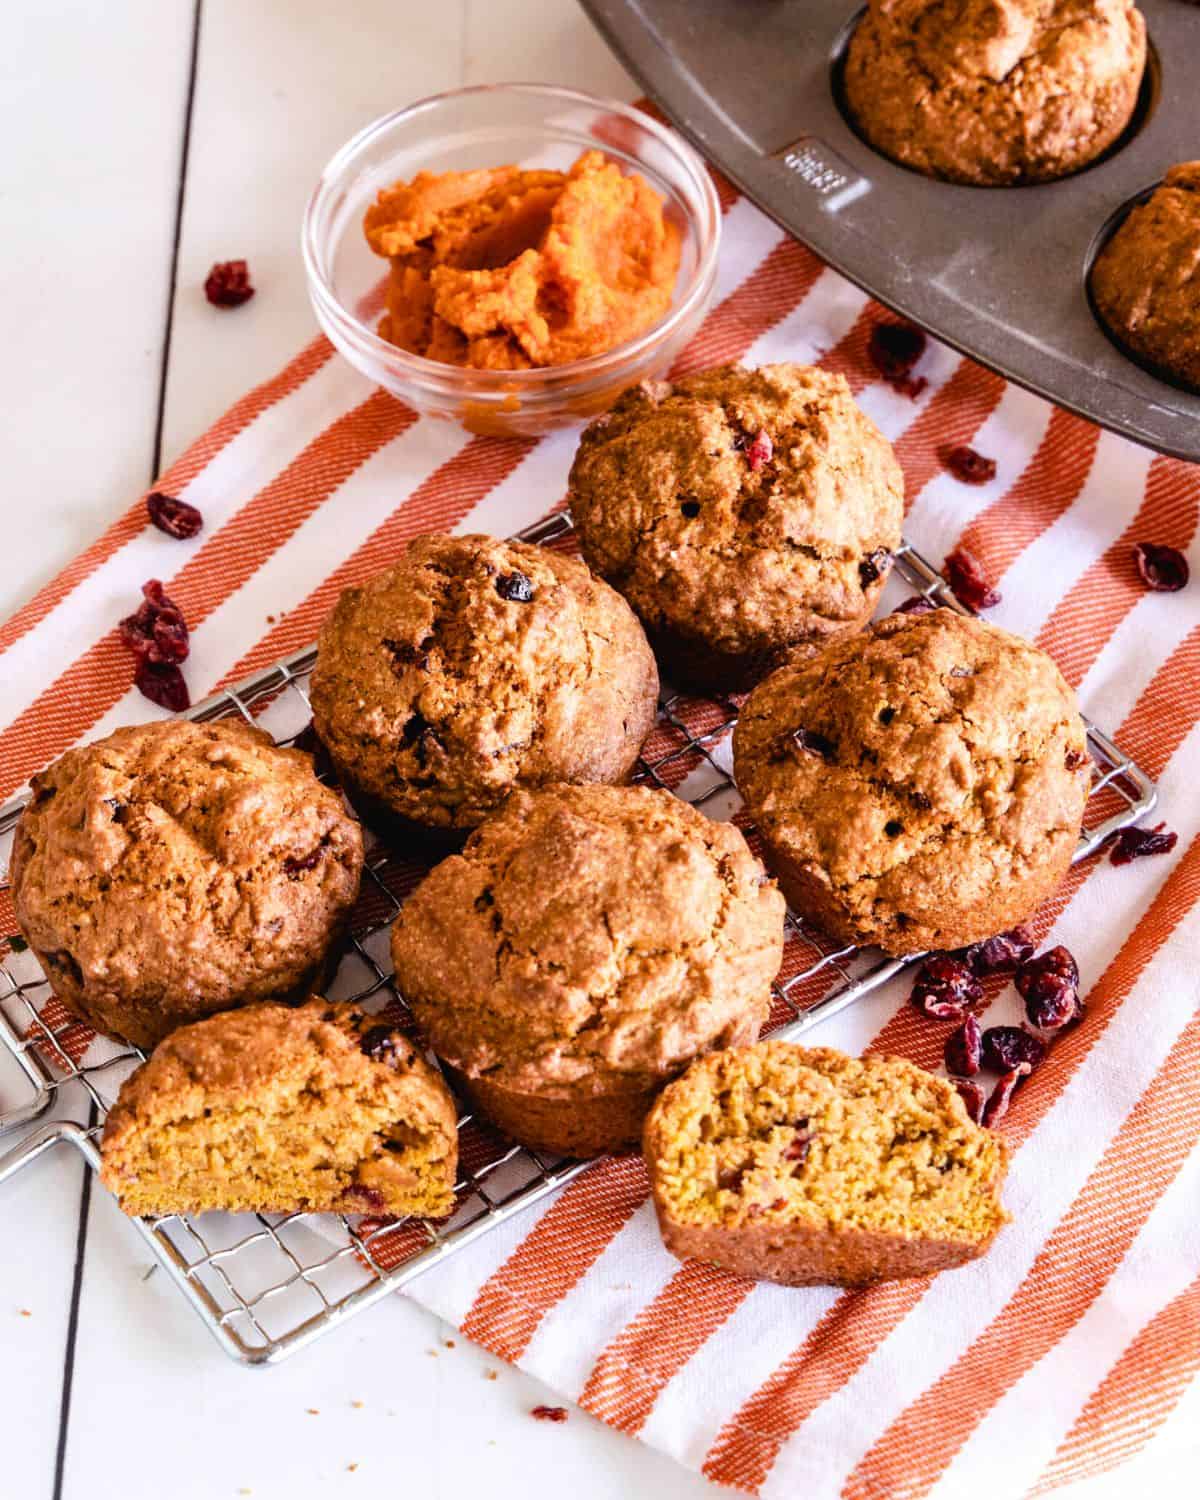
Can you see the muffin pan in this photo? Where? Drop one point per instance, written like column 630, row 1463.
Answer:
column 998, row 273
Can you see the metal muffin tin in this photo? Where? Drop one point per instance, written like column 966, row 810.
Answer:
column 998, row 273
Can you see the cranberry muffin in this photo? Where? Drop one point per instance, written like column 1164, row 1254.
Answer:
column 274, row 1109
column 176, row 869
column 995, row 92
column 919, row 786
column 745, row 514
column 807, row 1167
column 586, row 944
column 472, row 667
column 1144, row 282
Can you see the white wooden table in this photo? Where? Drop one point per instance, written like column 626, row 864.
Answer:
column 146, row 139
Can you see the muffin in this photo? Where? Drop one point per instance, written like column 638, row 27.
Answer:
column 918, row 786
column 745, row 514
column 472, row 667
column 176, row 869
column 995, row 92
column 587, row 943
column 807, row 1167
column 272, row 1109
column 1144, row 283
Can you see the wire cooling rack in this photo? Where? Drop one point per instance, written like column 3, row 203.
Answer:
column 265, row 1285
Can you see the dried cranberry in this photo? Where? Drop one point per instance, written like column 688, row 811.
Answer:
column 1136, row 843
column 1049, row 985
column 1163, row 569
column 514, row 587
column 1001, row 954
column 760, row 450
column 549, row 1413
column 296, row 864
column 359, row 1196
column 1001, row 1096
column 920, row 605
column 813, row 741
column 1006, row 1046
column 1075, row 760
column 971, row 467
column 874, row 565
column 162, row 683
column 176, row 517
column 945, row 988
column 798, row 1147
column 228, row 284
column 385, row 1045
column 894, row 348
column 962, row 1049
column 965, row 576
column 972, row 1096
column 156, row 631
column 405, row 655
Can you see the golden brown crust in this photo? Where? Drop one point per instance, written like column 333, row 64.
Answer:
column 588, row 942
column 995, row 92
column 733, row 555
column 171, row 1142
column 176, row 869
column 475, row 666
column 807, row 1167
column 919, row 786
column 1146, row 280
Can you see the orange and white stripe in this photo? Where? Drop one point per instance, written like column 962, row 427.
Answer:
column 1074, row 1343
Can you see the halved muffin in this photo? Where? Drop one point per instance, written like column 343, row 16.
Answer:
column 807, row 1167
column 274, row 1109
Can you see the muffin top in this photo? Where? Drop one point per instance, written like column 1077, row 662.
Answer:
column 476, row 665
column 587, row 938
column 175, row 867
column 356, row 1112
column 275, row 1055
column 995, row 91
column 752, row 508
column 916, row 770
column 1144, row 281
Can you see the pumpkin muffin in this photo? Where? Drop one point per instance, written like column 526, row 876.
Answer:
column 1144, row 282
column 175, row 869
column 919, row 786
column 586, row 944
column 276, row 1110
column 995, row 92
column 472, row 667
column 803, row 1166
column 745, row 514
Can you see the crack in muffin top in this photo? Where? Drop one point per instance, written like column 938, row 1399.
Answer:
column 589, row 937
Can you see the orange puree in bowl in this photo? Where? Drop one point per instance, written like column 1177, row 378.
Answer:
column 502, row 269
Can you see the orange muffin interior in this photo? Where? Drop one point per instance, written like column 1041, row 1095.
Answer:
column 269, row 1109
column 808, row 1136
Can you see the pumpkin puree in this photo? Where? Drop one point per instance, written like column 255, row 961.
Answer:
column 503, row 269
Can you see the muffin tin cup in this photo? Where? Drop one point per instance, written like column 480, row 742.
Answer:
column 998, row 273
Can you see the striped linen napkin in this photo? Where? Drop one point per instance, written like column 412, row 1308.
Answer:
column 1077, row 1340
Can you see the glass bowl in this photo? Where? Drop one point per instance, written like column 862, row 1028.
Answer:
column 533, row 125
